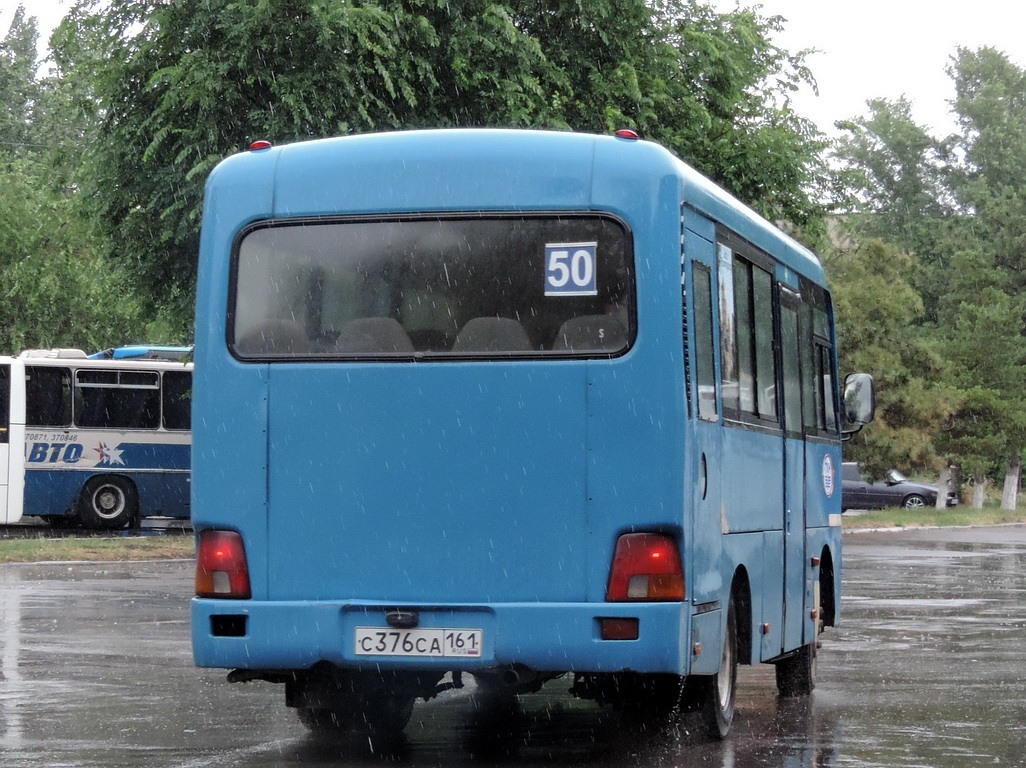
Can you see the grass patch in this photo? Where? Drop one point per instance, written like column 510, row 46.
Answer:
column 94, row 549
column 904, row 518
column 182, row 546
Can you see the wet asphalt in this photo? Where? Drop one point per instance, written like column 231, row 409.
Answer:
column 927, row 669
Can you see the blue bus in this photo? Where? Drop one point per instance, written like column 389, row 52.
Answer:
column 145, row 352
column 513, row 405
column 99, row 443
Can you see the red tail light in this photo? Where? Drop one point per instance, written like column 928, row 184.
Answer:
column 221, row 569
column 646, row 566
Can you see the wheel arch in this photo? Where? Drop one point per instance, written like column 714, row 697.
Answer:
column 827, row 587
column 741, row 595
column 101, row 476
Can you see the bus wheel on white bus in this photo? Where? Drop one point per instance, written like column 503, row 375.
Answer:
column 107, row 502
column 717, row 693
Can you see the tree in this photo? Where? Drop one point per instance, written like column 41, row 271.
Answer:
column 17, row 83
column 876, row 309
column 981, row 332
column 956, row 207
column 58, row 290
column 990, row 102
column 899, row 181
column 174, row 87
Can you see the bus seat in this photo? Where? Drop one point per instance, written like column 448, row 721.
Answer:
column 373, row 335
column 274, row 337
column 589, row 333
column 430, row 340
column 492, row 334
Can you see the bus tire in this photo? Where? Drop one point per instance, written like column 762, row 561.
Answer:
column 718, row 693
column 108, row 502
column 796, row 675
column 648, row 697
column 385, row 715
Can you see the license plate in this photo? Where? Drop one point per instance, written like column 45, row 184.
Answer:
column 440, row 643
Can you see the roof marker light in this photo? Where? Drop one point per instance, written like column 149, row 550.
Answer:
column 259, row 144
column 627, row 133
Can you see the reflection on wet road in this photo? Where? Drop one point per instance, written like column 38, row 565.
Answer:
column 927, row 669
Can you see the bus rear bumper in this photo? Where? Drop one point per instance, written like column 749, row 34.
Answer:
column 560, row 637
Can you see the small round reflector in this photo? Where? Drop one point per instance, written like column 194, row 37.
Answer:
column 627, row 133
column 260, row 144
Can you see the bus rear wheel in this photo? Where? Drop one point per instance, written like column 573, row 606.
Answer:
column 107, row 503
column 334, row 701
column 796, row 675
column 717, row 694
column 383, row 714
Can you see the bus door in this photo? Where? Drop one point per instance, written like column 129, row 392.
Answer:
column 794, row 470
column 5, row 438
column 704, row 454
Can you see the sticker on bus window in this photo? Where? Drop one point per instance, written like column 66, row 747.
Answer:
column 570, row 269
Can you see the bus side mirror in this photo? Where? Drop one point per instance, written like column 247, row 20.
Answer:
column 859, row 402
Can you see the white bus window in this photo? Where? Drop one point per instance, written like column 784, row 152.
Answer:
column 5, row 403
column 176, row 397
column 47, row 396
column 117, row 399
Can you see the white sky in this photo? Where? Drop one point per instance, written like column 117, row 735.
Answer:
column 867, row 49
column 890, row 48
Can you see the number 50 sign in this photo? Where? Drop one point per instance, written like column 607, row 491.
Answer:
column 570, row 269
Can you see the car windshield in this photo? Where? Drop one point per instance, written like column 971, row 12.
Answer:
column 896, row 476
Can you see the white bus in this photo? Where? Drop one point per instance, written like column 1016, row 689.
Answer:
column 99, row 443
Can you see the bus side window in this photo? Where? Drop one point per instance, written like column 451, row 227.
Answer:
column 765, row 362
column 819, row 388
column 117, row 399
column 747, row 356
column 730, row 383
column 705, row 375
column 176, row 397
column 47, row 396
column 5, row 403
column 791, row 370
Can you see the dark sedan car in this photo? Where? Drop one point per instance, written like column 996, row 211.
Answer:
column 895, row 491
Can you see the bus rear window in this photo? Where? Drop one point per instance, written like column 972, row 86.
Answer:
column 464, row 287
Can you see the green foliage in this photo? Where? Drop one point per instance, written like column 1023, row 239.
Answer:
column 957, row 207
column 876, row 309
column 17, row 88
column 174, row 87
column 723, row 103
column 982, row 333
column 57, row 288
